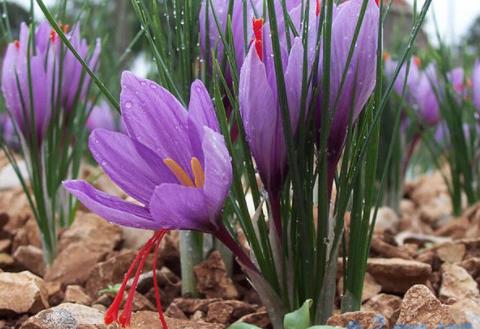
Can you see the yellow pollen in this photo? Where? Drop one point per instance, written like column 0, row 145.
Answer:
column 198, row 172
column 179, row 173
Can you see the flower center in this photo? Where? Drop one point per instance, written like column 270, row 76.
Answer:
column 182, row 176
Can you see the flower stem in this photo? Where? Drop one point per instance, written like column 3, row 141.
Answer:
column 223, row 235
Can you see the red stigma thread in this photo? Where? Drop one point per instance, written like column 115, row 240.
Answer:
column 17, row 44
column 258, row 35
column 378, row 2
column 53, row 35
column 417, row 61
column 318, row 8
column 111, row 315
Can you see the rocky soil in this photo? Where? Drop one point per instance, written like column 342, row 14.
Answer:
column 424, row 269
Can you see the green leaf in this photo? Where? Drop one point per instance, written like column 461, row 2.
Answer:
column 299, row 319
column 242, row 325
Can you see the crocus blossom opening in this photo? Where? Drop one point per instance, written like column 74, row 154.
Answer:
column 173, row 162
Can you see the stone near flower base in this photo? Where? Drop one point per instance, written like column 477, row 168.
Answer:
column 421, row 307
column 149, row 320
column 66, row 316
column 387, row 305
column 457, row 284
column 76, row 294
column 22, row 293
column 212, row 278
column 30, row 258
column 397, row 275
column 361, row 319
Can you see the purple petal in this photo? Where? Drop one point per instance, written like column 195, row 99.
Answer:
column 476, row 85
column 293, row 81
column 155, row 118
column 179, row 207
column 113, row 209
column 218, row 171
column 119, row 157
column 201, row 109
column 261, row 118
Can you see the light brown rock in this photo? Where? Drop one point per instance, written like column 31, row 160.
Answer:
column 5, row 245
column 93, row 230
column 213, row 280
column 259, row 318
column 6, row 261
column 457, row 283
column 30, row 258
column 451, row 252
column 466, row 311
column 362, row 319
column 386, row 250
column 67, row 316
column 27, row 235
column 228, row 311
column 76, row 295
column 109, row 272
column 397, row 275
column 74, row 264
column 387, row 220
column 149, row 320
column 22, row 293
column 387, row 305
column 421, row 307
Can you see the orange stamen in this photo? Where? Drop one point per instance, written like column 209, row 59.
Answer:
column 65, row 28
column 179, row 173
column 198, row 172
column 258, row 35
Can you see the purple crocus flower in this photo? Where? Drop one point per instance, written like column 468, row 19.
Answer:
column 241, row 40
column 101, row 116
column 476, row 85
column 457, row 78
column 78, row 81
column 173, row 162
column 426, row 97
column 45, row 60
column 260, row 109
column 15, row 80
column 361, row 74
column 7, row 130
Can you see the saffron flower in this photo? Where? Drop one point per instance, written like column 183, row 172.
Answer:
column 457, row 79
column 173, row 162
column 349, row 99
column 427, row 98
column 37, row 63
column 101, row 116
column 260, row 109
column 476, row 85
column 78, row 81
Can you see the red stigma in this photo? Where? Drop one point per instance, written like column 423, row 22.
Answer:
column 318, row 8
column 65, row 27
column 377, row 2
column 111, row 315
column 258, row 35
column 53, row 35
column 417, row 61
column 17, row 44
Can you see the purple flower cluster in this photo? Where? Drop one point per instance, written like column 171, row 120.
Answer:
column 39, row 63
